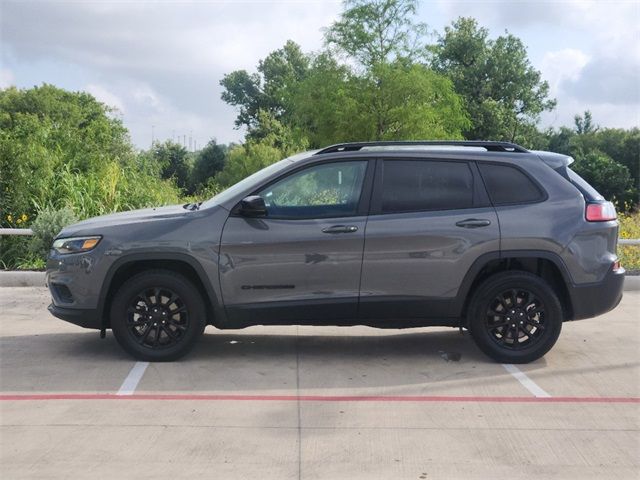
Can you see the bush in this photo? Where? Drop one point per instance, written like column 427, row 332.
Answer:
column 47, row 225
column 607, row 176
column 630, row 254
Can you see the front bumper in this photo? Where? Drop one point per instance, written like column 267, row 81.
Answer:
column 594, row 299
column 84, row 317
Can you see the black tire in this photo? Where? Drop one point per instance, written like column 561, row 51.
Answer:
column 157, row 316
column 515, row 317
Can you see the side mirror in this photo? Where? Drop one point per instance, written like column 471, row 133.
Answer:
column 252, row 206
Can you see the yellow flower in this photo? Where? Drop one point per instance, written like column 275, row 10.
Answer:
column 24, row 217
column 19, row 221
column 10, row 218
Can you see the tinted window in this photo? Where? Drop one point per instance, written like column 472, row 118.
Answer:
column 327, row 190
column 409, row 186
column 508, row 185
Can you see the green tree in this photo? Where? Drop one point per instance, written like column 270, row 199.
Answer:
column 501, row 90
column 173, row 160
column 393, row 102
column 375, row 32
column 388, row 96
column 61, row 149
column 277, row 142
column 269, row 89
column 584, row 123
column 209, row 161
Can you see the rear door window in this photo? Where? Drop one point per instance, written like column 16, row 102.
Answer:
column 508, row 185
column 421, row 185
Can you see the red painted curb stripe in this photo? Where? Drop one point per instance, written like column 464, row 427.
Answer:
column 316, row 398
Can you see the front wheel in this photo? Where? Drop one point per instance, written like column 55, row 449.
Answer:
column 515, row 317
column 157, row 316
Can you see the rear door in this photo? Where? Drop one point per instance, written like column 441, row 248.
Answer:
column 430, row 220
column 302, row 261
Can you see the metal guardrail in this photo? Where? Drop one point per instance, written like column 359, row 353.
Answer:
column 16, row 231
column 28, row 231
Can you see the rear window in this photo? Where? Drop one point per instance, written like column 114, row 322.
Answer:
column 581, row 184
column 418, row 185
column 507, row 185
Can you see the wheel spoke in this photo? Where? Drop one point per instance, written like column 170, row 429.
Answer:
column 145, row 334
column 534, row 324
column 156, row 336
column 170, row 332
column 178, row 310
column 514, row 296
column 156, row 296
column 177, row 325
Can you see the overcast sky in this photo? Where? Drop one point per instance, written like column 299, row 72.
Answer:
column 160, row 62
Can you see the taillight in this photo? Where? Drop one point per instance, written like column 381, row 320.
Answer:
column 600, row 212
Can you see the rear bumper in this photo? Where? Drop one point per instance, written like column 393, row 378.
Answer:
column 597, row 298
column 87, row 318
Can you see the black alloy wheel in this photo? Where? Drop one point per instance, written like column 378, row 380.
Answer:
column 514, row 317
column 157, row 315
column 157, row 318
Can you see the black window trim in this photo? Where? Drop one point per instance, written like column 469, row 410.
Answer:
column 363, row 202
column 480, row 196
column 544, row 194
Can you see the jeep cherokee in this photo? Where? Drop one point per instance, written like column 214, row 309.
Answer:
column 488, row 236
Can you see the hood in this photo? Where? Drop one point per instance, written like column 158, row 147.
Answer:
column 95, row 224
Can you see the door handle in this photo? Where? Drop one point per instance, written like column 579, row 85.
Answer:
column 473, row 223
column 340, row 229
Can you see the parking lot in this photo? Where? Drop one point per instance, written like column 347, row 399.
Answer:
column 308, row 402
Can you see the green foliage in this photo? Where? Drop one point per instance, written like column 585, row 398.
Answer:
column 610, row 178
column 375, row 32
column 65, row 149
column 393, row 102
column 46, row 226
column 619, row 145
column 173, row 161
column 501, row 90
column 277, row 142
column 630, row 254
column 269, row 90
column 209, row 161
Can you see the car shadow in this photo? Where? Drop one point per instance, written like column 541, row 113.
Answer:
column 240, row 361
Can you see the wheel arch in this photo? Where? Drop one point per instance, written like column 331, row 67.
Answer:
column 546, row 265
column 133, row 264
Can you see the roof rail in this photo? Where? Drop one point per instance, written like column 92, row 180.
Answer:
column 489, row 146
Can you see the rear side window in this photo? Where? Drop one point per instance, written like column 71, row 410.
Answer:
column 409, row 186
column 507, row 185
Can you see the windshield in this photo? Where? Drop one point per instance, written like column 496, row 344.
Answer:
column 246, row 183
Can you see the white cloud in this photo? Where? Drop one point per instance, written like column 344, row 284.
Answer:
column 6, row 78
column 562, row 65
column 105, row 96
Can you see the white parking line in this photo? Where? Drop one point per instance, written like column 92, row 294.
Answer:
column 130, row 383
column 525, row 381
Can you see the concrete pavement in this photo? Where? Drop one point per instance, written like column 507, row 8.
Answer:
column 316, row 403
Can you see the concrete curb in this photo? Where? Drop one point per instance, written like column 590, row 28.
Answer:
column 36, row 279
column 11, row 278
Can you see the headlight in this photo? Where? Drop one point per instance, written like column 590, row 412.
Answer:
column 75, row 244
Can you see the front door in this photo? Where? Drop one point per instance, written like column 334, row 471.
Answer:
column 301, row 262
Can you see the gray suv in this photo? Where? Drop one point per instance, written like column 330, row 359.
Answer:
column 488, row 236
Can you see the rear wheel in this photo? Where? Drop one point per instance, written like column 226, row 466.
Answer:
column 157, row 316
column 515, row 317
